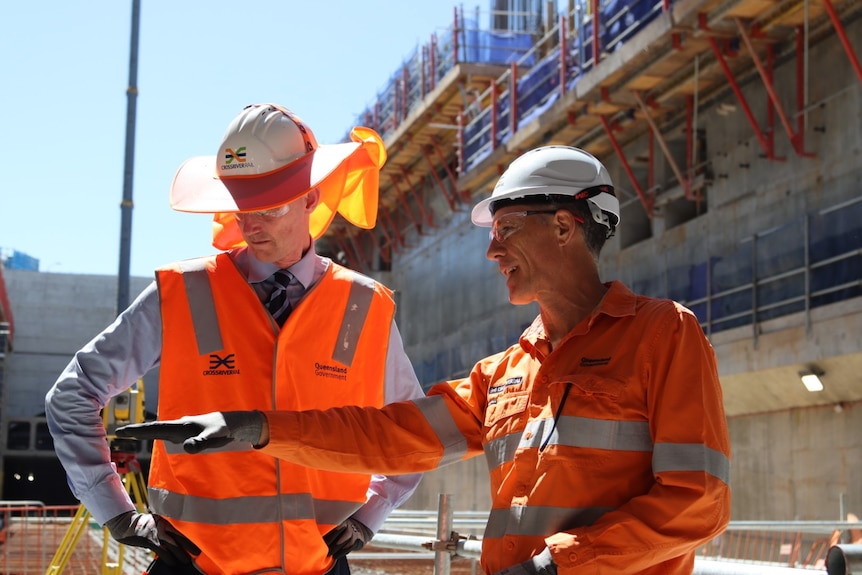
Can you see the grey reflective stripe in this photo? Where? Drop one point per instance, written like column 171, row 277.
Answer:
column 438, row 417
column 571, row 432
column 177, row 448
column 501, row 449
column 358, row 302
column 202, row 306
column 691, row 457
column 537, row 521
column 249, row 509
column 603, row 434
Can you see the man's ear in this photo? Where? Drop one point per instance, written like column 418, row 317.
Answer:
column 312, row 198
column 566, row 225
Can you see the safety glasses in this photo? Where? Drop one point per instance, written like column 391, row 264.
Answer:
column 269, row 214
column 512, row 222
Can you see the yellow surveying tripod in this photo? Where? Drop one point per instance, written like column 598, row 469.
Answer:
column 122, row 410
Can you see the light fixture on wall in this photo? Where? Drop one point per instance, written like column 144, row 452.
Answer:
column 811, row 379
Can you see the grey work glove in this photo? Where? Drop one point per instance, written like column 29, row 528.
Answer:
column 351, row 535
column 541, row 564
column 200, row 432
column 154, row 533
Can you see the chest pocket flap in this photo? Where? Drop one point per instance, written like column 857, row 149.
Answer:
column 506, row 405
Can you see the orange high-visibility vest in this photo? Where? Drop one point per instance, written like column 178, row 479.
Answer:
column 222, row 351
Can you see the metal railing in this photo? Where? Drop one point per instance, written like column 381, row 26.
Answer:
column 808, row 262
column 745, row 548
column 31, row 533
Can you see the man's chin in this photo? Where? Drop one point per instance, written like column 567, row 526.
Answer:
column 261, row 251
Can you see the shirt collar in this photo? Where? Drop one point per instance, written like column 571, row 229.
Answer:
column 258, row 271
column 619, row 301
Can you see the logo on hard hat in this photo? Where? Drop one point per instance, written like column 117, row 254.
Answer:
column 230, row 155
column 239, row 156
column 587, row 193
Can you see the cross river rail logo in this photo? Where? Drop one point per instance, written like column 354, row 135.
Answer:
column 238, row 156
column 218, row 362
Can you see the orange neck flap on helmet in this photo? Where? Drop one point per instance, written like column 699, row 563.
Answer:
column 350, row 190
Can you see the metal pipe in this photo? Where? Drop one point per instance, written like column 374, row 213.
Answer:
column 442, row 559
column 766, row 76
column 472, row 548
column 129, row 167
column 842, row 37
column 710, row 567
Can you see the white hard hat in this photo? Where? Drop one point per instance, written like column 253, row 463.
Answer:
column 267, row 157
column 555, row 170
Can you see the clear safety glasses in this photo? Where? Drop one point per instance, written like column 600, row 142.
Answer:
column 269, row 214
column 512, row 222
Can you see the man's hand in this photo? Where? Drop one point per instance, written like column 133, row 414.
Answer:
column 541, row 564
column 154, row 533
column 349, row 536
column 200, row 432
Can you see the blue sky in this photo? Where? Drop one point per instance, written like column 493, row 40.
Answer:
column 63, row 99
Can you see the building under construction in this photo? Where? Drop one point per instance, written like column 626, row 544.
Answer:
column 732, row 132
column 731, row 129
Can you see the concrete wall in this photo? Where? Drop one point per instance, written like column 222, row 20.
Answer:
column 797, row 464
column 55, row 315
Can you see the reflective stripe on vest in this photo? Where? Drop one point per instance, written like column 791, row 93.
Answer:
column 353, row 319
column 691, row 457
column 201, row 305
column 539, row 521
column 249, row 509
column 610, row 435
column 438, row 417
column 205, row 319
column 571, row 431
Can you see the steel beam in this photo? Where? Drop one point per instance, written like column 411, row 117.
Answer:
column 647, row 202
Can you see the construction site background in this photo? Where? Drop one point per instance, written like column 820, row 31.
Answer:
column 732, row 131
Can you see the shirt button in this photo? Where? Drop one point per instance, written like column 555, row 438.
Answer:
column 521, row 490
column 510, row 545
column 573, row 557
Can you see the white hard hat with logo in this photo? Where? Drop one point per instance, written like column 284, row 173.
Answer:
column 269, row 157
column 556, row 171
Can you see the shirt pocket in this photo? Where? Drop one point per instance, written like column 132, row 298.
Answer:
column 595, row 396
column 505, row 406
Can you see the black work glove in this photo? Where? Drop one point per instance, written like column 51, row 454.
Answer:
column 154, row 533
column 541, row 564
column 351, row 535
column 200, row 432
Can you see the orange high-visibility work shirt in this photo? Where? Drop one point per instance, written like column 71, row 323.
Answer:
column 612, row 450
column 248, row 511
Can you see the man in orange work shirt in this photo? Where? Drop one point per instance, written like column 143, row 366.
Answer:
column 603, row 427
